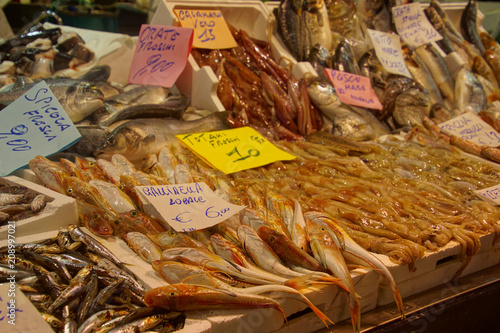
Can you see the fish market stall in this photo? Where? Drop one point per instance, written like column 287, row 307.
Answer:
column 325, row 210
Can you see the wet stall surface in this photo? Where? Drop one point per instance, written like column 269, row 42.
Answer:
column 470, row 304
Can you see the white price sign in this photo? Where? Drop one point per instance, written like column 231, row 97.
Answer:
column 471, row 127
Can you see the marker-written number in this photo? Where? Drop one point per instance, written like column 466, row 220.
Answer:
column 251, row 153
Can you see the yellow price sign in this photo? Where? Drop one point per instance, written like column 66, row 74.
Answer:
column 210, row 28
column 234, row 149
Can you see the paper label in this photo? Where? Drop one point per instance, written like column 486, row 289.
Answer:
column 34, row 124
column 17, row 313
column 471, row 127
column 491, row 194
column 188, row 207
column 413, row 26
column 210, row 28
column 160, row 55
column 354, row 89
column 388, row 49
column 234, row 149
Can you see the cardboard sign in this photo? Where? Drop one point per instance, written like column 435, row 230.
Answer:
column 17, row 313
column 413, row 26
column 235, row 149
column 471, row 127
column 210, row 28
column 160, row 55
column 353, row 89
column 188, row 207
column 34, row 124
column 388, row 49
column 491, row 194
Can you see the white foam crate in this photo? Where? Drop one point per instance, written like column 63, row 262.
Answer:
column 437, row 268
column 59, row 211
column 252, row 16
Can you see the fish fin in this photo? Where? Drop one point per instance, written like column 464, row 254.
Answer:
column 149, row 139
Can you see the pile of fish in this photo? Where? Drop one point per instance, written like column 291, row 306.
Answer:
column 461, row 76
column 78, row 285
column 18, row 202
column 40, row 53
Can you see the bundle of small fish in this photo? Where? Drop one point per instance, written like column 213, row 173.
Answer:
column 461, row 76
column 18, row 202
column 78, row 285
column 40, row 53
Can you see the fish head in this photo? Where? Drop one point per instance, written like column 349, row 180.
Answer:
column 82, row 99
column 169, row 297
column 124, row 141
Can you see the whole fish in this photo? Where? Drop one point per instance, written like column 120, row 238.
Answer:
column 170, row 239
column 328, row 253
column 468, row 25
column 172, row 107
column 138, row 138
column 93, row 245
column 185, row 297
column 99, row 73
column 469, row 92
column 143, row 246
column 113, row 196
column 78, row 98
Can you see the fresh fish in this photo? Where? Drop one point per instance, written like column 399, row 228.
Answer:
column 99, row 73
column 113, row 196
column 92, row 137
column 171, row 107
column 438, row 69
column 320, row 58
column 481, row 67
column 78, row 98
column 138, row 138
column 184, row 297
column 469, row 92
column 344, row 60
column 143, row 246
column 468, row 25
column 51, row 174
column 422, row 75
column 411, row 106
column 326, row 249
column 303, row 24
column 93, row 245
column 370, row 66
column 95, row 219
column 493, row 61
column 451, row 31
column 170, row 239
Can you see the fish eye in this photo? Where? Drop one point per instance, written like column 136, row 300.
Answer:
column 111, row 141
column 14, row 189
column 121, row 187
column 323, row 229
column 91, row 163
column 272, row 239
column 134, row 213
column 172, row 294
column 172, row 233
column 69, row 190
column 96, row 216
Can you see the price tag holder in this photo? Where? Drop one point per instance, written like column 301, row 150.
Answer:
column 234, row 149
column 388, row 49
column 34, row 124
column 354, row 89
column 210, row 28
column 160, row 55
column 188, row 207
column 471, row 127
column 413, row 26
column 491, row 194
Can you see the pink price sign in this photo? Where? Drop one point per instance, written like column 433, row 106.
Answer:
column 160, row 55
column 354, row 89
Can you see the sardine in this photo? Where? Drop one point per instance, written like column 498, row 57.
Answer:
column 138, row 138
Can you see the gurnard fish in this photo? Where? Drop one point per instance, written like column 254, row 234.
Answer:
column 138, row 138
column 185, row 297
column 327, row 250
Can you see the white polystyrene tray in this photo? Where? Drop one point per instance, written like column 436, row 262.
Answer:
column 200, row 84
column 59, row 211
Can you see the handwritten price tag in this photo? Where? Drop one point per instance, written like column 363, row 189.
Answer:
column 354, row 89
column 491, row 194
column 388, row 49
column 160, row 55
column 471, row 127
column 210, row 28
column 413, row 26
column 235, row 149
column 34, row 124
column 188, row 207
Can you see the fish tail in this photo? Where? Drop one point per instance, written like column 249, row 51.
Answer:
column 355, row 310
column 324, row 318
